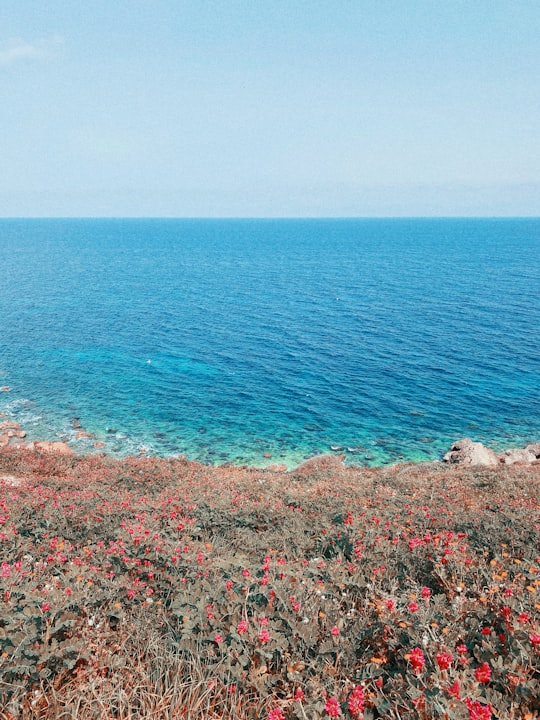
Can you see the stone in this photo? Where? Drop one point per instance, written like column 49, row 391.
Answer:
column 525, row 457
column 9, row 425
column 10, row 480
column 59, row 448
column 534, row 448
column 467, row 452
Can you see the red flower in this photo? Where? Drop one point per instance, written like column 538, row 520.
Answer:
column 413, row 607
column 356, row 701
column 454, row 689
column 523, row 618
column 332, row 707
column 478, row 711
column 299, row 695
column 462, row 649
column 425, row 592
column 264, row 636
column 483, row 673
column 275, row 714
column 335, row 631
column 242, row 627
column 444, row 659
column 535, row 639
column 486, row 631
column 417, row 660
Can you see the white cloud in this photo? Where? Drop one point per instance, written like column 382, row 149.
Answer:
column 18, row 50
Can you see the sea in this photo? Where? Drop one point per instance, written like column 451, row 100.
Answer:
column 268, row 341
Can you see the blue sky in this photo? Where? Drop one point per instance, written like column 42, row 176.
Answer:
column 257, row 108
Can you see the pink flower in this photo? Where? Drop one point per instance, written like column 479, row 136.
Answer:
column 246, row 572
column 535, row 639
column 264, row 636
column 413, row 607
column 332, row 707
column 356, row 701
column 275, row 714
column 425, row 592
column 462, row 649
column 242, row 627
column 218, row 638
column 299, row 695
column 45, row 607
column 483, row 673
column 444, row 659
column 335, row 631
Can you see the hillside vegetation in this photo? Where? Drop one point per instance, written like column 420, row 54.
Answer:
column 150, row 588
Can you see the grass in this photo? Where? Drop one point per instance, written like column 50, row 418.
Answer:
column 150, row 588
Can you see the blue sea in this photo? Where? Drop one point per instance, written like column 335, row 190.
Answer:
column 269, row 341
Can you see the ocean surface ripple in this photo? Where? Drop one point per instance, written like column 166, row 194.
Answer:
column 229, row 340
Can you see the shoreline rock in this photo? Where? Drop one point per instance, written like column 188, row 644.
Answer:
column 467, row 452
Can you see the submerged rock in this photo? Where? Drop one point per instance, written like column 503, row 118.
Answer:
column 467, row 452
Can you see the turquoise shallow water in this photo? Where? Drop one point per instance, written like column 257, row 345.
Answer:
column 228, row 339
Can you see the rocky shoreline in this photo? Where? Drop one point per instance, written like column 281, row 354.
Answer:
column 462, row 452
column 467, row 452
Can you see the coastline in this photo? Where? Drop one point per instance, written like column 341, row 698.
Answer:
column 463, row 452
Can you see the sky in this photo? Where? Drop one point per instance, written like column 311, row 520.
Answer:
column 269, row 108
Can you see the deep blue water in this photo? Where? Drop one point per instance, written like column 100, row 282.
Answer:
column 227, row 339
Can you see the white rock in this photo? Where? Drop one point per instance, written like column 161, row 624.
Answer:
column 467, row 452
